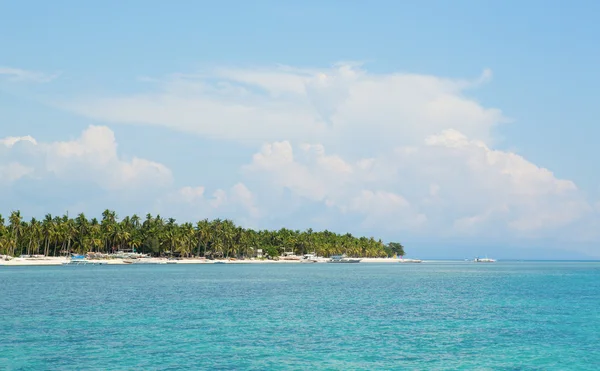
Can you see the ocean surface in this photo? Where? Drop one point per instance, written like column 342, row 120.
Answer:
column 429, row 316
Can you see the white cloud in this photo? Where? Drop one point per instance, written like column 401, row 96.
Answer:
column 397, row 151
column 333, row 106
column 13, row 171
column 193, row 203
column 92, row 158
column 240, row 194
column 11, row 141
column 316, row 178
column 17, row 74
column 94, row 155
column 385, row 209
column 523, row 178
column 190, row 194
column 448, row 185
column 219, row 198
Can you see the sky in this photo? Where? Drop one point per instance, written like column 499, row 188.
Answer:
column 460, row 129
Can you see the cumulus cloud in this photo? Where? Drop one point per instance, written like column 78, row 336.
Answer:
column 13, row 171
column 395, row 151
column 93, row 161
column 92, row 158
column 192, row 202
column 240, row 194
column 449, row 185
column 314, row 175
column 11, row 141
column 94, row 155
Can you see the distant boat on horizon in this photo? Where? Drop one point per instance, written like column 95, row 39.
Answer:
column 402, row 260
column 484, row 260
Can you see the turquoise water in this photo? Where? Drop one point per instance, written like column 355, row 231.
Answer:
column 430, row 316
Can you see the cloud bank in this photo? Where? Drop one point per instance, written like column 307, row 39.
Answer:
column 333, row 106
column 336, row 148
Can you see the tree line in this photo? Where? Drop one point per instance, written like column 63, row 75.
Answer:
column 157, row 236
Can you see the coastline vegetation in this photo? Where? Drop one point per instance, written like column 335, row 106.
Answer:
column 157, row 236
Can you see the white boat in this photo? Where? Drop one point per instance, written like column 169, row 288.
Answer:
column 308, row 258
column 410, row 261
column 127, row 255
column 484, row 260
column 312, row 258
column 342, row 259
column 148, row 261
column 81, row 260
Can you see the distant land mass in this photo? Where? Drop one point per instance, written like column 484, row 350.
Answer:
column 158, row 236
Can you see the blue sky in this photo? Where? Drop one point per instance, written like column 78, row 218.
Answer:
column 458, row 128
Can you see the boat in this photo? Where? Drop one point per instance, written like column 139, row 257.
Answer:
column 410, row 261
column 81, row 260
column 147, row 261
column 342, row 259
column 289, row 255
column 483, row 260
column 127, row 255
column 402, row 260
column 310, row 258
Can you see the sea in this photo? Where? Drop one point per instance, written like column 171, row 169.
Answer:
column 518, row 315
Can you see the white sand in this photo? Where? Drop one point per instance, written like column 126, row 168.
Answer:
column 49, row 261
column 34, row 261
column 378, row 260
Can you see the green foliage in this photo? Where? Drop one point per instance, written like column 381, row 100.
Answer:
column 271, row 251
column 59, row 235
column 394, row 248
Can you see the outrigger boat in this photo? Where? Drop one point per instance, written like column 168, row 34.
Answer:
column 81, row 260
column 402, row 260
column 342, row 259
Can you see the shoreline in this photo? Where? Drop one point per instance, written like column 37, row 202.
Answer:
column 59, row 261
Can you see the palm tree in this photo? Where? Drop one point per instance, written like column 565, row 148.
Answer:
column 109, row 219
column 3, row 237
column 34, row 234
column 203, row 235
column 15, row 230
column 58, row 235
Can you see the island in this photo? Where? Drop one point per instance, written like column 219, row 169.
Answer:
column 155, row 237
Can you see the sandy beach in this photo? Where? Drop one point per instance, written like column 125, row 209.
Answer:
column 55, row 261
